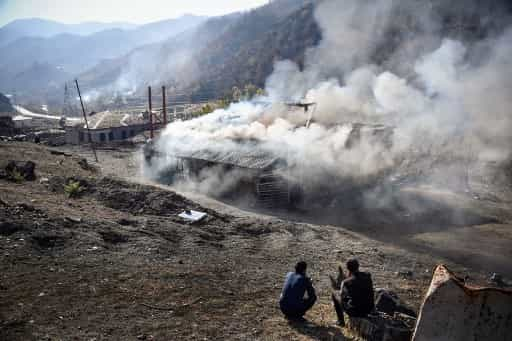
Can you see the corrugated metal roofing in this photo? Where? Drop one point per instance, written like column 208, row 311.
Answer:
column 250, row 154
column 252, row 159
column 112, row 119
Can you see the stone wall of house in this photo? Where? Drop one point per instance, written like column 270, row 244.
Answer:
column 80, row 135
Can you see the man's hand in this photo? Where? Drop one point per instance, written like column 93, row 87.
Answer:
column 336, row 282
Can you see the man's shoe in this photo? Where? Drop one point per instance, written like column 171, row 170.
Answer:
column 296, row 319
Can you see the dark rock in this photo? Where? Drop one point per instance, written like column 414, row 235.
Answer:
column 386, row 302
column 7, row 228
column 47, row 241
column 497, row 279
column 56, row 184
column 389, row 303
column 58, row 152
column 113, row 237
column 19, row 168
column 27, row 207
column 379, row 327
column 85, row 165
column 254, row 230
column 127, row 222
column 29, row 170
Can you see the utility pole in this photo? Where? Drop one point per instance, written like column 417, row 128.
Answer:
column 164, row 105
column 151, row 133
column 86, row 123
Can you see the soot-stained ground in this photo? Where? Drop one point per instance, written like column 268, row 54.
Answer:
column 116, row 263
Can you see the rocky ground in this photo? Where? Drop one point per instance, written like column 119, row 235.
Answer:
column 116, row 263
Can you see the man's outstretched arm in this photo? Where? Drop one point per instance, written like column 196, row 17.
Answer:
column 310, row 289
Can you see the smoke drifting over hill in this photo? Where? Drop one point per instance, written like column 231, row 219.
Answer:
column 448, row 98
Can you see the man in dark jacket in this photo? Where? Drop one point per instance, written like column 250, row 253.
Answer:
column 356, row 294
column 292, row 302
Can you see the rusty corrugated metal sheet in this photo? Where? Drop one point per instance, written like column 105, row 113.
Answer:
column 454, row 311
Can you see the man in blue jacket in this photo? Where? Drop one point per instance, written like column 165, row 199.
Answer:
column 292, row 302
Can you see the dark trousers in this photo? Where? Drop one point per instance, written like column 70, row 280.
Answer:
column 298, row 312
column 338, row 307
column 341, row 307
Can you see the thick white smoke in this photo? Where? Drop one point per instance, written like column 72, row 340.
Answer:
column 452, row 100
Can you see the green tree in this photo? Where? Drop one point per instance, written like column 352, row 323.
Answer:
column 236, row 94
column 206, row 109
column 249, row 91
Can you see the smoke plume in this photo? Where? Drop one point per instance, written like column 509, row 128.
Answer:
column 447, row 99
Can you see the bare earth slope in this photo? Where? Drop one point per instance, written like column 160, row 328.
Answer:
column 118, row 264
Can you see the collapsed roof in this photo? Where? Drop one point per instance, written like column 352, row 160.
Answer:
column 255, row 158
column 251, row 155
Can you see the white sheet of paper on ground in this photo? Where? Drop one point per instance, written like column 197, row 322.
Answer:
column 192, row 215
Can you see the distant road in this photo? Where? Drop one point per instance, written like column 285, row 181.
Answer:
column 28, row 113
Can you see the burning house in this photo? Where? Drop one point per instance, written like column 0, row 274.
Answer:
column 256, row 171
column 271, row 174
column 259, row 172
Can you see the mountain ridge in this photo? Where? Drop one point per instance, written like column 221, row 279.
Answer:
column 184, row 60
column 207, row 60
column 70, row 54
column 45, row 28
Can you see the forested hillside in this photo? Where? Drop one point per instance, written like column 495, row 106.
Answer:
column 249, row 59
column 232, row 50
column 64, row 56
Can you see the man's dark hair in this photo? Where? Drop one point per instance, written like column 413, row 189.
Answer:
column 353, row 265
column 301, row 267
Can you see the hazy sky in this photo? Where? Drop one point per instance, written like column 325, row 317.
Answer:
column 135, row 11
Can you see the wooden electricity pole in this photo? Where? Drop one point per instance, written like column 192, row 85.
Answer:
column 86, row 123
column 164, row 106
column 151, row 133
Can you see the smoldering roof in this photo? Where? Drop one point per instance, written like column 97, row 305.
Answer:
column 254, row 154
column 257, row 159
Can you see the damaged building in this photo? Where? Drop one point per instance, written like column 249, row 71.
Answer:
column 107, row 126
column 258, row 171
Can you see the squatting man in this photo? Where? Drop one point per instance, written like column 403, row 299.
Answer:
column 354, row 294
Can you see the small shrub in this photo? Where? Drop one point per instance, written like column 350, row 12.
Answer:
column 17, row 176
column 73, row 189
column 206, row 109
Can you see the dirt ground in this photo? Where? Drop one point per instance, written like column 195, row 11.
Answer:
column 117, row 263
